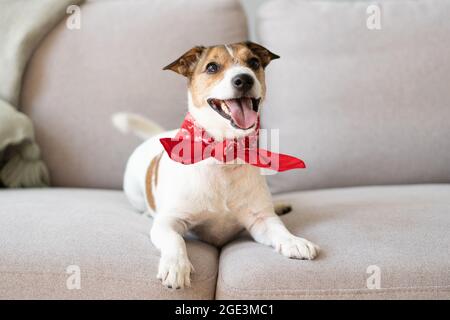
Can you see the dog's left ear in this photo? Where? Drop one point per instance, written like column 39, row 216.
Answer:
column 264, row 54
column 185, row 64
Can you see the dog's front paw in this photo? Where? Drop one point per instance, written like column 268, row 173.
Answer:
column 297, row 248
column 175, row 272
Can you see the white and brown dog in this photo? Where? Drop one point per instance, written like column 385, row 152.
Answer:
column 215, row 201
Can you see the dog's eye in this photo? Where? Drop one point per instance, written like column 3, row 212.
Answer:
column 212, row 67
column 253, row 63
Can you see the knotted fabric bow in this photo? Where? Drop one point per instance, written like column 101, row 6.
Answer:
column 193, row 144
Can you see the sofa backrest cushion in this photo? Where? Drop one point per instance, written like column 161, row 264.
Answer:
column 78, row 78
column 360, row 105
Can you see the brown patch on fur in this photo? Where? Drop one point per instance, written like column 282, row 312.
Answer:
column 244, row 54
column 185, row 64
column 152, row 178
column 263, row 54
column 201, row 82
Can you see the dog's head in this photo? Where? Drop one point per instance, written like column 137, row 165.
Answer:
column 226, row 86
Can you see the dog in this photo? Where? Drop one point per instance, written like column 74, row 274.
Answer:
column 213, row 200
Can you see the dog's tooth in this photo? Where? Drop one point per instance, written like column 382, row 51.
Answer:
column 224, row 107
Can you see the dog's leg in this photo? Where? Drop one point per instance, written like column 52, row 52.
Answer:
column 174, row 265
column 267, row 228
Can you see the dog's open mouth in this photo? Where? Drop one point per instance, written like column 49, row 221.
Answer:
column 242, row 112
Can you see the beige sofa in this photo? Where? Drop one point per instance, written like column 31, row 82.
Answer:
column 368, row 110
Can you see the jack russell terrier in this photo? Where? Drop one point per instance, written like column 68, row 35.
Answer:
column 209, row 195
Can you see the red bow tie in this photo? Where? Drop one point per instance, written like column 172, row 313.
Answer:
column 193, row 144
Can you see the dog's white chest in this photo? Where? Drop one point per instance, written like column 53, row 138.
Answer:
column 215, row 219
column 208, row 196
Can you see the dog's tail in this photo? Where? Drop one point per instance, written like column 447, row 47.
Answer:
column 140, row 126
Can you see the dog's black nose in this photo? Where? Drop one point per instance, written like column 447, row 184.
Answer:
column 243, row 82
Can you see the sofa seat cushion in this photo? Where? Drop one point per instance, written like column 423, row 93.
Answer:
column 399, row 234
column 44, row 232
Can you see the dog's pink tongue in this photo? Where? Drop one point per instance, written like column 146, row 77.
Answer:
column 242, row 112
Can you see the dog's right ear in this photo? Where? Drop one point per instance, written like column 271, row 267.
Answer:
column 264, row 54
column 185, row 64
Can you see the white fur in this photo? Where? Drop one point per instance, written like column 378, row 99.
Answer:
column 230, row 51
column 212, row 199
column 224, row 88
